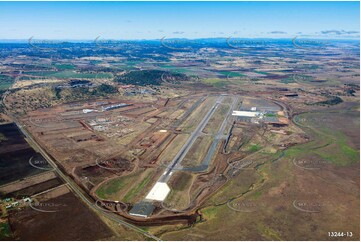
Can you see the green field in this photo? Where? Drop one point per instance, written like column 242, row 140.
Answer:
column 288, row 80
column 231, row 74
column 132, row 184
column 64, row 66
column 217, row 119
column 174, row 69
column 5, row 82
column 261, row 72
column 5, row 231
column 216, row 82
column 330, row 143
column 137, row 188
column 111, row 189
column 254, row 148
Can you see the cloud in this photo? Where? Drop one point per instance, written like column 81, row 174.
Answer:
column 338, row 32
column 277, row 32
column 178, row 32
column 352, row 32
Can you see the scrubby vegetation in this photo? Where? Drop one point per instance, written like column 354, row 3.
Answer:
column 331, row 101
column 105, row 88
column 5, row 82
column 149, row 77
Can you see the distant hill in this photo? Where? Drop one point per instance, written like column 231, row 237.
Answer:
column 150, row 77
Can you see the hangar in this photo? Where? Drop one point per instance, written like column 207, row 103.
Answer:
column 250, row 114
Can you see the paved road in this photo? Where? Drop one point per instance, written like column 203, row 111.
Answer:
column 185, row 148
column 78, row 191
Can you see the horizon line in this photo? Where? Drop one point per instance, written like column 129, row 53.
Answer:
column 28, row 40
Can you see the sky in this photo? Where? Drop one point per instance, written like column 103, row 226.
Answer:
column 154, row 20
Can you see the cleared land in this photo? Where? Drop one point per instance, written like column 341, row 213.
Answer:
column 287, row 193
column 197, row 152
column 75, row 216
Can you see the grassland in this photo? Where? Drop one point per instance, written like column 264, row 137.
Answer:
column 261, row 72
column 216, row 82
column 231, row 74
column 174, row 69
column 216, row 120
column 5, row 82
column 5, row 230
column 197, row 152
column 254, row 148
column 288, row 80
column 64, row 66
column 168, row 155
column 180, row 184
column 197, row 115
column 330, row 143
column 271, row 191
column 257, row 204
column 125, row 188
column 138, row 187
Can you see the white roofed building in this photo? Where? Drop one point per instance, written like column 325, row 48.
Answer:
column 250, row 114
column 159, row 192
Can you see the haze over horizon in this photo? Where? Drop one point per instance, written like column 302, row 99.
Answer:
column 192, row 20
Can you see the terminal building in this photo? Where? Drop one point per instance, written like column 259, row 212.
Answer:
column 252, row 115
column 248, row 114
